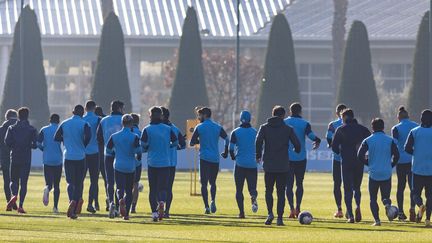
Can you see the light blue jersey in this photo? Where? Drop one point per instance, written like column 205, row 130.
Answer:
column 207, row 134
column 242, row 143
column 331, row 130
column 400, row 134
column 93, row 120
column 302, row 128
column 51, row 150
column 124, row 145
column 419, row 145
column 157, row 139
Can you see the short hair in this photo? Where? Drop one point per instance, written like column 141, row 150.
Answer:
column 90, row 105
column 78, row 110
column 340, row 108
column 136, row 118
column 295, row 108
column 99, row 111
column 348, row 113
column 426, row 117
column 127, row 120
column 116, row 105
column 205, row 111
column 54, row 118
column 11, row 113
column 155, row 112
column 23, row 113
column 377, row 124
column 279, row 111
column 165, row 112
column 402, row 112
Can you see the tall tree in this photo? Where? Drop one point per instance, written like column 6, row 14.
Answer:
column 107, row 7
column 418, row 98
column 280, row 81
column 357, row 87
column 111, row 77
column 189, row 88
column 25, row 83
column 338, row 36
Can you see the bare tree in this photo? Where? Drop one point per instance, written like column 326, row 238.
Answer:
column 338, row 36
column 107, row 7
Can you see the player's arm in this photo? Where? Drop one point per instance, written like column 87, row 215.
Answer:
column 181, row 141
column 259, row 142
column 232, row 144
column 329, row 134
column 395, row 153
column 224, row 136
column 361, row 154
column 34, row 139
column 144, row 141
column 9, row 138
column 409, row 145
column 294, row 141
column 40, row 140
column 173, row 139
column 137, row 148
column 195, row 137
column 336, row 142
column 99, row 134
column 87, row 134
column 311, row 135
column 110, row 147
column 58, row 136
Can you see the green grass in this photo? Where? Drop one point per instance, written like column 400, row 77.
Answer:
column 189, row 224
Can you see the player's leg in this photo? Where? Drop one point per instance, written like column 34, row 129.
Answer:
column 299, row 177
column 56, row 184
column 120, row 180
column 347, row 177
column 373, row 195
column 81, row 170
column 281, row 180
column 337, row 183
column 358, row 177
column 428, row 195
column 102, row 171
column 251, row 178
column 239, row 179
column 162, row 189
column 172, row 172
column 269, row 181
column 14, row 174
column 204, row 178
column 402, row 173
column 130, row 178
column 49, row 180
column 289, row 189
column 418, row 185
column 412, row 216
column 70, row 179
column 5, row 166
column 152, row 180
column 214, row 170
column 135, row 190
column 24, row 176
column 385, row 189
column 92, row 163
column 109, row 173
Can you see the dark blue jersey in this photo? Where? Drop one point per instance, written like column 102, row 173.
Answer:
column 21, row 139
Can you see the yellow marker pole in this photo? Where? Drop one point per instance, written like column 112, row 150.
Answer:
column 190, row 127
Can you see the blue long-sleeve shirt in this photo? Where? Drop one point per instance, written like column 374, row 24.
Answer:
column 21, row 139
column 400, row 134
column 207, row 134
column 331, row 130
column 93, row 120
column 181, row 143
column 75, row 134
column 107, row 127
column 383, row 155
column 302, row 128
column 137, row 131
column 242, row 145
column 51, row 150
column 124, row 145
column 419, row 146
column 157, row 139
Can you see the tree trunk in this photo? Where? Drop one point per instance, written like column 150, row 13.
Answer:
column 107, row 7
column 338, row 36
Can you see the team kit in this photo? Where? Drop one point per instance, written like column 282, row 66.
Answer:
column 113, row 145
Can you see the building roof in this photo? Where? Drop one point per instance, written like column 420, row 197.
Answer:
column 385, row 19
column 143, row 17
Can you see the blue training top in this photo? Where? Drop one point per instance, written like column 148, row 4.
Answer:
column 157, row 139
column 331, row 130
column 124, row 145
column 302, row 128
column 136, row 130
column 108, row 126
column 419, row 145
column 242, row 141
column 400, row 134
column 93, row 120
column 207, row 134
column 381, row 149
column 75, row 134
column 181, row 144
column 52, row 152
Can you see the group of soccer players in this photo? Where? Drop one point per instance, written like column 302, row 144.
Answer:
column 113, row 145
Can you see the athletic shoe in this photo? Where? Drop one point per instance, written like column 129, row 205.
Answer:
column 55, row 210
column 45, row 198
column 122, row 204
column 79, row 206
column 292, row 214
column 297, row 212
column 350, row 220
column 97, row 207
column 358, row 215
column 116, row 213
column 73, row 216
column 91, row 209
column 427, row 223
column 254, row 205
column 133, row 208
column 279, row 222
column 377, row 223
column 12, row 202
column 71, row 209
column 420, row 213
column 207, row 211
column 338, row 214
column 111, row 211
column 241, row 216
column 107, row 208
column 412, row 215
column 8, row 208
column 166, row 215
column 161, row 210
column 269, row 219
column 14, row 206
column 402, row 216
column 126, row 217
column 21, row 210
column 155, row 216
column 213, row 208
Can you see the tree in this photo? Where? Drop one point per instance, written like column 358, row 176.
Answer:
column 28, row 71
column 189, row 88
column 107, row 7
column 357, row 87
column 280, row 82
column 418, row 98
column 338, row 36
column 111, row 77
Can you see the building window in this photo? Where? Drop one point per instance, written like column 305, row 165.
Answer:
column 395, row 76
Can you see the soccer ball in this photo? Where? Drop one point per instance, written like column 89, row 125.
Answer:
column 305, row 217
column 140, row 187
column 392, row 212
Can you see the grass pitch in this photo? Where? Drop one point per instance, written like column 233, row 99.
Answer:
column 188, row 223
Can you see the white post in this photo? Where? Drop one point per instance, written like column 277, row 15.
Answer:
column 133, row 66
column 4, row 60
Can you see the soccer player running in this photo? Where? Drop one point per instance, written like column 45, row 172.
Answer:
column 138, row 164
column 275, row 138
column 207, row 134
column 242, row 151
column 403, row 168
column 172, row 169
column 157, row 140
column 337, row 169
column 302, row 128
column 346, row 142
column 107, row 127
column 101, row 148
column 21, row 139
column 383, row 155
column 92, row 156
column 75, row 133
column 52, row 160
column 125, row 147
column 10, row 119
column 419, row 146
